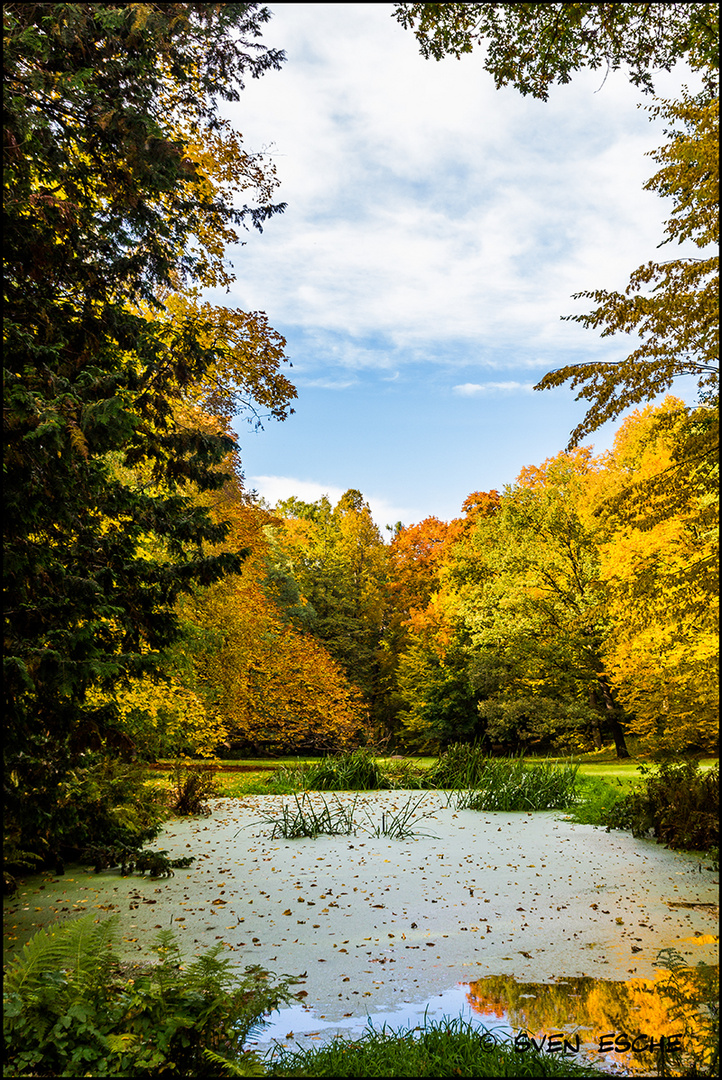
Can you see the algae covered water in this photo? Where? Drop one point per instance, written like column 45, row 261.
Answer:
column 528, row 912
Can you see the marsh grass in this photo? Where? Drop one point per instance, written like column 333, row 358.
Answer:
column 354, row 770
column 448, row 1048
column 460, row 766
column 508, row 784
column 304, row 818
column 400, row 825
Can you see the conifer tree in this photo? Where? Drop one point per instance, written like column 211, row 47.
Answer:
column 107, row 211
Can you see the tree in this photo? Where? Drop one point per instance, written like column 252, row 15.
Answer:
column 339, row 560
column 659, row 562
column 256, row 666
column 671, row 305
column 525, row 587
column 106, row 213
column 532, row 46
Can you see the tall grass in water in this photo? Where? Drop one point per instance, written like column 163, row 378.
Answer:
column 462, row 765
column 305, row 818
column 354, row 770
column 508, row 784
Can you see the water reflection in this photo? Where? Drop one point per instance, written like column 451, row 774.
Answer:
column 621, row 1023
column 616, row 1025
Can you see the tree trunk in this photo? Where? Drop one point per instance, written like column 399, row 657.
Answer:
column 613, row 711
column 596, row 729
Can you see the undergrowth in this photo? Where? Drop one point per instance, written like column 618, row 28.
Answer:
column 70, row 1011
column 677, row 803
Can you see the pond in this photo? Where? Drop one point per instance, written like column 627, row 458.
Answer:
column 506, row 915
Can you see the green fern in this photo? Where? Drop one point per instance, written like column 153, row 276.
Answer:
column 68, row 1012
column 699, row 990
column 249, row 1065
column 81, row 948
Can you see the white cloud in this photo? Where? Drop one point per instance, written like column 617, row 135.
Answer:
column 326, row 384
column 427, row 208
column 275, row 488
column 477, row 389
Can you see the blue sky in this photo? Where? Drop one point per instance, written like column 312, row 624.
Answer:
column 435, row 231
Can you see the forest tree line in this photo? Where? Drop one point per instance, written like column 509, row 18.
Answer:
column 574, row 609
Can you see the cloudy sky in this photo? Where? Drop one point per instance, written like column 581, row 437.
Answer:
column 435, row 231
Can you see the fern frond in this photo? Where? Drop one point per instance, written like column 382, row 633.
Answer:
column 249, row 1065
column 120, row 1044
column 76, row 946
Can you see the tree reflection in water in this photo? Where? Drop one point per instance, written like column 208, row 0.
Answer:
column 679, row 1001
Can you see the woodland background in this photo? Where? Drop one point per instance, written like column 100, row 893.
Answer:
column 154, row 607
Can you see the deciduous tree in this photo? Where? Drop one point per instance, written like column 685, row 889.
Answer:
column 533, row 46
column 659, row 561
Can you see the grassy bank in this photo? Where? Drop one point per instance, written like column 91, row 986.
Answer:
column 450, row 1048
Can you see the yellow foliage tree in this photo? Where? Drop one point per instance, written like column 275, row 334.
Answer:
column 164, row 719
column 658, row 561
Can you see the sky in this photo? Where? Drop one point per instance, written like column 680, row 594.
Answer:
column 435, row 231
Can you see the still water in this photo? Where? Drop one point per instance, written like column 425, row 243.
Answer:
column 617, row 1026
column 474, row 915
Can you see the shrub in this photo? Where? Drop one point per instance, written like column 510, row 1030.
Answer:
column 678, row 803
column 102, row 801
column 192, row 786
column 597, row 798
column 69, row 1011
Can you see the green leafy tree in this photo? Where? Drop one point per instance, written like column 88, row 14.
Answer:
column 526, row 588
column 340, row 563
column 106, row 213
column 533, row 46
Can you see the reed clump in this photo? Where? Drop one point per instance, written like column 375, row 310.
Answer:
column 481, row 782
column 351, row 770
